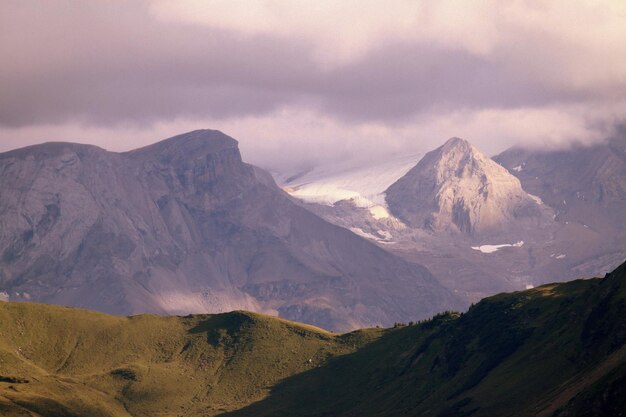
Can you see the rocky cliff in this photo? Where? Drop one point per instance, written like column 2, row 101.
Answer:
column 185, row 226
column 456, row 188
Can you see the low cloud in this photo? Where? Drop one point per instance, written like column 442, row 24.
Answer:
column 301, row 84
column 289, row 140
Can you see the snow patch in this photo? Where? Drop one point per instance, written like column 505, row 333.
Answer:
column 495, row 248
column 386, row 236
column 538, row 200
column 379, row 212
column 4, row 296
column 324, row 194
column 518, row 168
column 384, row 233
column 561, row 256
column 363, row 233
column 529, row 286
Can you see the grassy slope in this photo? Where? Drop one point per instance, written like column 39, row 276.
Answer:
column 554, row 350
column 89, row 364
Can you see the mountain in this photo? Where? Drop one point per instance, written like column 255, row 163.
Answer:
column 456, row 188
column 586, row 186
column 577, row 182
column 57, row 361
column 555, row 350
column 482, row 225
column 185, row 226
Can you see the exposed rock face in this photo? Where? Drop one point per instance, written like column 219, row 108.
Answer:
column 586, row 187
column 583, row 184
column 470, row 222
column 456, row 188
column 185, row 226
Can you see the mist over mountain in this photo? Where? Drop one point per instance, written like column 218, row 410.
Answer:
column 185, row 226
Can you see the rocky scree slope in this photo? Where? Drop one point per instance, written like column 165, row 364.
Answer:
column 583, row 184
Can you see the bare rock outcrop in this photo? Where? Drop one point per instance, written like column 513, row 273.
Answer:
column 456, row 188
column 185, row 226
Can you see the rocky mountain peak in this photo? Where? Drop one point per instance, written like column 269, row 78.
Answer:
column 51, row 150
column 457, row 158
column 183, row 226
column 458, row 188
column 197, row 143
column 198, row 163
column 456, row 143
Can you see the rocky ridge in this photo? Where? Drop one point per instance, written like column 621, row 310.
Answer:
column 185, row 226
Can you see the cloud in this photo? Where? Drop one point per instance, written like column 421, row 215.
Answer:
column 321, row 79
column 292, row 139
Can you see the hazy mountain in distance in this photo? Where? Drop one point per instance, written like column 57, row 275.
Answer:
column 185, row 226
column 456, row 188
column 478, row 227
column 583, row 184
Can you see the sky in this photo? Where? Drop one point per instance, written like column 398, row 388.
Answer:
column 300, row 83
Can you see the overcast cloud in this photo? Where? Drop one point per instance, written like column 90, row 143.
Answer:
column 299, row 81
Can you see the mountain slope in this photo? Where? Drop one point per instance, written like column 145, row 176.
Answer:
column 456, row 188
column 586, row 187
column 556, row 350
column 185, row 226
column 480, row 228
column 577, row 182
column 57, row 361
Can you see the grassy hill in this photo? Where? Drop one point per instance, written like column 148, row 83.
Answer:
column 82, row 363
column 556, row 350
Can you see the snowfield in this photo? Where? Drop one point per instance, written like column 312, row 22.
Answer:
column 494, row 248
column 364, row 185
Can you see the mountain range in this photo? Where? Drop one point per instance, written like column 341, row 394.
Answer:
column 185, row 226
column 480, row 224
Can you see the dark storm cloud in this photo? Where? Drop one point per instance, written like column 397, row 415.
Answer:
column 98, row 64
column 109, row 62
column 400, row 80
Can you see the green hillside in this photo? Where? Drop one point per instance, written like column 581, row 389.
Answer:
column 554, row 350
column 81, row 363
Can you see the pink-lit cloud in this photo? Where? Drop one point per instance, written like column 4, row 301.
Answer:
column 323, row 79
